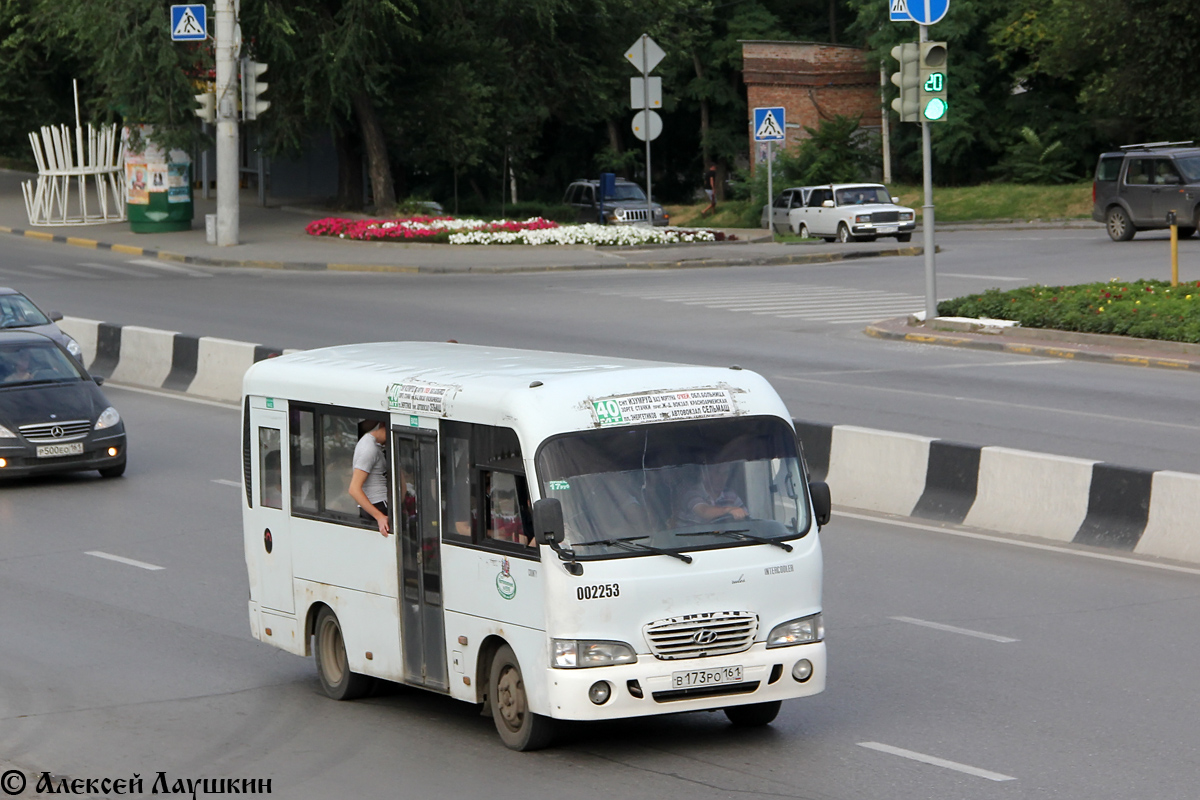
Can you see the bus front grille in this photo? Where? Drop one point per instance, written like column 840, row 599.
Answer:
column 698, row 635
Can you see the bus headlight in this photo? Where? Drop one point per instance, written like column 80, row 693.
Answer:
column 108, row 418
column 578, row 654
column 797, row 631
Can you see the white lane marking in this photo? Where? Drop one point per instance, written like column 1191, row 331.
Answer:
column 173, row 395
column 1124, row 420
column 937, row 762
column 65, row 272
column 223, row 482
column 1022, row 363
column 123, row 560
column 937, row 626
column 981, row 277
column 129, row 273
column 1019, row 543
column 148, row 262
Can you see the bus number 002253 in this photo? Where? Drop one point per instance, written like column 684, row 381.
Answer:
column 598, row 592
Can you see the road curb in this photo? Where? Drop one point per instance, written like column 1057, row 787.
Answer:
column 691, row 263
column 898, row 330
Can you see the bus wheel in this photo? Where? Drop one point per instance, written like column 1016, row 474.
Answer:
column 754, row 715
column 519, row 728
column 330, row 649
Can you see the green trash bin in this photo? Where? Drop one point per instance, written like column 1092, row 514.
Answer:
column 159, row 197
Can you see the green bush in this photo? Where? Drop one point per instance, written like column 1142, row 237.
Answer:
column 1145, row 309
column 1030, row 160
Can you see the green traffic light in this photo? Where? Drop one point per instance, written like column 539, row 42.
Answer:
column 935, row 109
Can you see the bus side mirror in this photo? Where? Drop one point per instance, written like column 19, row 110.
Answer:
column 548, row 521
column 822, row 504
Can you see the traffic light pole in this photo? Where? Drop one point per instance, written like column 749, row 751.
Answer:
column 227, row 125
column 927, row 211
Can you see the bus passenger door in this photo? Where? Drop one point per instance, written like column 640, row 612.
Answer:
column 267, row 533
column 422, row 632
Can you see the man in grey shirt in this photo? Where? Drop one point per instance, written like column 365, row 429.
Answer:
column 369, row 484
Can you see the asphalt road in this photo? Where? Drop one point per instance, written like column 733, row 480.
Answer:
column 1062, row 675
column 801, row 326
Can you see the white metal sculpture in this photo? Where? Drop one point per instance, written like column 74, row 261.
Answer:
column 97, row 170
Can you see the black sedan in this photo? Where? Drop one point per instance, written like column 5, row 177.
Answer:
column 53, row 416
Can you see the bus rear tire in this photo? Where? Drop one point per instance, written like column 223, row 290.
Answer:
column 329, row 649
column 519, row 728
column 754, row 715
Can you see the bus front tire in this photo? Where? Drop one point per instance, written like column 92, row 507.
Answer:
column 754, row 715
column 332, row 667
column 519, row 728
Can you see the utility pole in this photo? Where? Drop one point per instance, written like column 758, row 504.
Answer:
column 927, row 209
column 227, row 123
column 886, row 129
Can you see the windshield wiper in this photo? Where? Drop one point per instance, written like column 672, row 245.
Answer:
column 631, row 544
column 744, row 535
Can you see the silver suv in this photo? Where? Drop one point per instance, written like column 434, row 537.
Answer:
column 1138, row 186
column 625, row 206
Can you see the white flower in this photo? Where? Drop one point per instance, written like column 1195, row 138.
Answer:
column 586, row 234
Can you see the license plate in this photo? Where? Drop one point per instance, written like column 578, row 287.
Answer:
column 52, row 450
column 706, row 677
column 887, row 229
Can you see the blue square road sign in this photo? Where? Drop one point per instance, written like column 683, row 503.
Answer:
column 189, row 23
column 769, row 124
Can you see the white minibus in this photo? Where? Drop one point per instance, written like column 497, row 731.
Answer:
column 571, row 537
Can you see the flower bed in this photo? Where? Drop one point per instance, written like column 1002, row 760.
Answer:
column 421, row 229
column 534, row 231
column 605, row 235
column 1145, row 309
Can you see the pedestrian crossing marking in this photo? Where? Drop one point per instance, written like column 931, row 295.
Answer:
column 769, row 129
column 136, row 269
column 831, row 304
column 900, row 7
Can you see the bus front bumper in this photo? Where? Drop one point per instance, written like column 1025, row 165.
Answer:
column 653, row 686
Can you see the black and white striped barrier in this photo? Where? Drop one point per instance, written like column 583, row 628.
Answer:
column 992, row 488
column 201, row 365
column 1075, row 500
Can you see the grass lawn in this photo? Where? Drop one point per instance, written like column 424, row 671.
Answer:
column 990, row 201
column 1145, row 309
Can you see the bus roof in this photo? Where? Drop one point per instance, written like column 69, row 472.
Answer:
column 536, row 392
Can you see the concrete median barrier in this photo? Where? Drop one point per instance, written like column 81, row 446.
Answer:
column 991, row 488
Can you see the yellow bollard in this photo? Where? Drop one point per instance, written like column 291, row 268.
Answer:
column 1174, row 248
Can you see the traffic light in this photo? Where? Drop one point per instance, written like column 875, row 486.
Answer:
column 252, row 87
column 933, row 82
column 907, row 105
column 207, row 110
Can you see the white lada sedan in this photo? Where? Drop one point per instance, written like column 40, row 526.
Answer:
column 852, row 212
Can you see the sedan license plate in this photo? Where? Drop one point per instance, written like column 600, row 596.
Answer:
column 52, row 450
column 887, row 229
column 706, row 677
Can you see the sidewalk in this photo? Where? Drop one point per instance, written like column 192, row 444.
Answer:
column 274, row 238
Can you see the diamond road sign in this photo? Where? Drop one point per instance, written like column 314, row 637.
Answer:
column 769, row 124
column 654, row 54
column 189, row 23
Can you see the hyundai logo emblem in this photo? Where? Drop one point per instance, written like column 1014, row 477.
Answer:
column 57, row 432
column 704, row 637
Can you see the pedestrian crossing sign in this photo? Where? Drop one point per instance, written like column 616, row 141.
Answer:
column 898, row 11
column 189, row 23
column 769, row 124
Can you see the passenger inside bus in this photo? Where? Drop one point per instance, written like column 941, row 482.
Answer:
column 369, row 484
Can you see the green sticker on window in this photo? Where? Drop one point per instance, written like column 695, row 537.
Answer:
column 558, row 486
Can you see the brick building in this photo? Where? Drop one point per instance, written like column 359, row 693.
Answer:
column 812, row 82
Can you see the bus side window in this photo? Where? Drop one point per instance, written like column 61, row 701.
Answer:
column 270, row 469
column 457, row 495
column 339, row 436
column 508, row 517
column 303, row 461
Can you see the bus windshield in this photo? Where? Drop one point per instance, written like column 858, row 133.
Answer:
column 676, row 486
